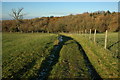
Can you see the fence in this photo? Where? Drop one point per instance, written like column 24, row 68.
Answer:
column 106, row 40
column 94, row 36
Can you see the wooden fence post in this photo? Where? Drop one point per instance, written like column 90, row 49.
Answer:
column 85, row 32
column 82, row 32
column 90, row 34
column 95, row 36
column 105, row 40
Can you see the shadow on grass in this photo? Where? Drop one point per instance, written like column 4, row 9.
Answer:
column 113, row 44
column 93, row 73
column 115, row 54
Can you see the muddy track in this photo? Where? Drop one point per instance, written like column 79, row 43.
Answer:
column 50, row 61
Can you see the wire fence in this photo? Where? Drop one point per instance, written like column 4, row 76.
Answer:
column 107, row 40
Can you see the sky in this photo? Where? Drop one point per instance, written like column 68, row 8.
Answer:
column 45, row 9
column 60, row 0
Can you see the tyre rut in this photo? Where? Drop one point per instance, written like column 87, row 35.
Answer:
column 51, row 60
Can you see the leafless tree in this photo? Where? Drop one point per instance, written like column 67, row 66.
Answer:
column 17, row 14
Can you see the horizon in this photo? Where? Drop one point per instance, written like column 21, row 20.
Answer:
column 54, row 16
column 56, row 9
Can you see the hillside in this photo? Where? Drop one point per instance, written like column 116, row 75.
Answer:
column 99, row 20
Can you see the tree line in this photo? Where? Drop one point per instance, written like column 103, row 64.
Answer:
column 100, row 20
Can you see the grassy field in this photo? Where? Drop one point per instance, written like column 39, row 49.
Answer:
column 23, row 53
column 42, row 55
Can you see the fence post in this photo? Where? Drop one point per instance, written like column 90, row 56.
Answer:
column 105, row 40
column 94, row 36
column 90, row 34
column 82, row 32
column 85, row 32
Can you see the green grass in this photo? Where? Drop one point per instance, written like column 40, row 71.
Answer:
column 71, row 63
column 103, row 61
column 112, row 40
column 23, row 53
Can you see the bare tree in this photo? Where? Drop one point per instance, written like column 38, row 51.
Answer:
column 18, row 16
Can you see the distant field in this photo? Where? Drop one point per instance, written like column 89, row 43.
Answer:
column 42, row 55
